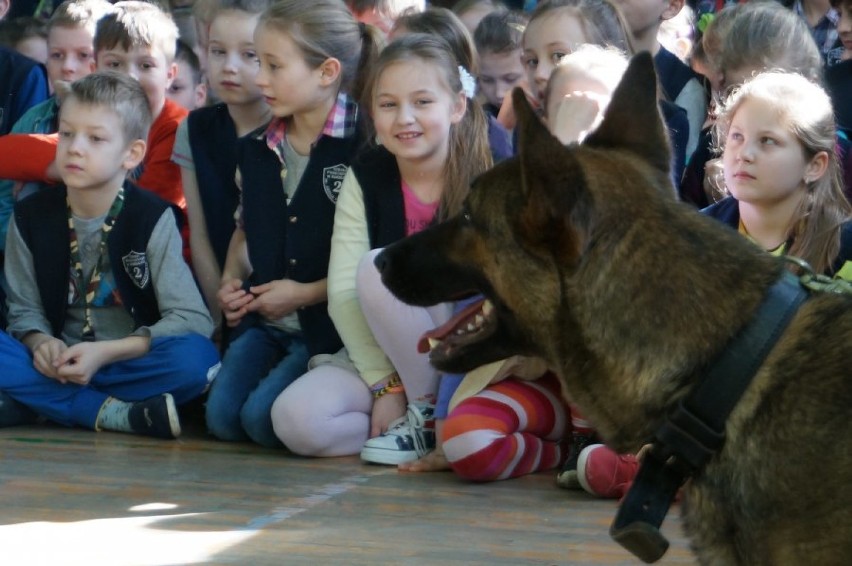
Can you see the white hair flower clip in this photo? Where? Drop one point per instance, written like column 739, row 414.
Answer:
column 468, row 82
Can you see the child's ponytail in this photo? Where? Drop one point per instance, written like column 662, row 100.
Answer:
column 469, row 155
column 326, row 29
column 372, row 42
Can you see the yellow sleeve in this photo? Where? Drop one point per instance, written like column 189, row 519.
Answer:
column 349, row 242
column 845, row 272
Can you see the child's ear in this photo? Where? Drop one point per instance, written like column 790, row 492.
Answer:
column 459, row 108
column 329, row 71
column 134, row 155
column 171, row 74
column 675, row 6
column 816, row 167
column 200, row 95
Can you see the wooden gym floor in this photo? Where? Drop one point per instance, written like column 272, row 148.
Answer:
column 70, row 497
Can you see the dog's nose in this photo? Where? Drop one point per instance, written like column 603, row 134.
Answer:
column 381, row 261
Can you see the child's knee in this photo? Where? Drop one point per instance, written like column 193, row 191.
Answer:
column 194, row 362
column 295, row 428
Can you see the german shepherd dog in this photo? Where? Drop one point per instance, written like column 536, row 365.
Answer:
column 588, row 260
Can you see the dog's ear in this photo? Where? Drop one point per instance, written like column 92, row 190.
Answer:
column 632, row 120
column 551, row 179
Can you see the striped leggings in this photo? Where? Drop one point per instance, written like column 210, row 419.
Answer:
column 509, row 429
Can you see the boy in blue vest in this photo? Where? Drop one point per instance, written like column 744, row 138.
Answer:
column 107, row 329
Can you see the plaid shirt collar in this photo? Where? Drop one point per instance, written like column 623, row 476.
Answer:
column 341, row 123
column 825, row 31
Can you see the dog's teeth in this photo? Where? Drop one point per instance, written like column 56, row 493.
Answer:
column 487, row 307
column 480, row 320
column 460, row 331
column 471, row 327
column 434, row 343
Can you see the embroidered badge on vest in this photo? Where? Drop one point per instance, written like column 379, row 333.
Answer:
column 332, row 179
column 136, row 267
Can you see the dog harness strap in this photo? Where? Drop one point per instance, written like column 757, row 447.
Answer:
column 694, row 431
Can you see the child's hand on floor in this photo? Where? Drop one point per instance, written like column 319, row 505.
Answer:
column 434, row 461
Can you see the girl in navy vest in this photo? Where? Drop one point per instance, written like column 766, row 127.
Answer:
column 274, row 281
column 434, row 143
column 206, row 142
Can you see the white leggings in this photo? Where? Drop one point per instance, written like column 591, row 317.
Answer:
column 326, row 412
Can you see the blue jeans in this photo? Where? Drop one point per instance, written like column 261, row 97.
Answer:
column 174, row 364
column 258, row 365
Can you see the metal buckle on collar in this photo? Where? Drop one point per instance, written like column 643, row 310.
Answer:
column 818, row 282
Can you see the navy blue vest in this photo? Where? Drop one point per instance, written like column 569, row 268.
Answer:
column 727, row 211
column 378, row 174
column 672, row 72
column 294, row 241
column 42, row 220
column 213, row 139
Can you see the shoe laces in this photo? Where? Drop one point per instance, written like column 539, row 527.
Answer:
column 417, row 423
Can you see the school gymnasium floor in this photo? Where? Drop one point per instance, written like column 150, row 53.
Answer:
column 74, row 497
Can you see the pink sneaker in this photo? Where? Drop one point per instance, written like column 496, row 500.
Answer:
column 605, row 473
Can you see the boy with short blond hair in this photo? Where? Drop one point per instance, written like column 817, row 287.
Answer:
column 107, row 329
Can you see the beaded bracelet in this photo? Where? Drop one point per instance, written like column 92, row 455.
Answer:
column 394, row 385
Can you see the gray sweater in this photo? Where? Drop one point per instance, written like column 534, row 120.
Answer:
column 182, row 309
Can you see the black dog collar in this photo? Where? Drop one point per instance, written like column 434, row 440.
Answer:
column 695, row 430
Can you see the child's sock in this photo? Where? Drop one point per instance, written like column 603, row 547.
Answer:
column 114, row 416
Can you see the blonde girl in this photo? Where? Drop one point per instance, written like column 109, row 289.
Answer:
column 312, row 55
column 777, row 138
column 434, row 142
column 745, row 40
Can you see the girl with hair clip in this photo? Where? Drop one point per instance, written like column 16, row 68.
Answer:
column 312, row 58
column 434, row 144
column 444, row 24
column 781, row 174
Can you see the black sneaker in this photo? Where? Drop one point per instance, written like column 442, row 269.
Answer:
column 567, row 478
column 156, row 417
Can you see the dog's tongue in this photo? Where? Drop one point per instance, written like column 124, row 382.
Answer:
column 448, row 327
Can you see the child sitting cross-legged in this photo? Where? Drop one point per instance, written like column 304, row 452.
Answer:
column 107, row 329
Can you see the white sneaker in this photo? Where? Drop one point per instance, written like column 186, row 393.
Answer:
column 407, row 439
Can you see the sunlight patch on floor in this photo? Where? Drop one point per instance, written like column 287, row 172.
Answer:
column 129, row 541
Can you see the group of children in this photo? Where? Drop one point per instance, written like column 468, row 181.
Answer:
column 331, row 138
